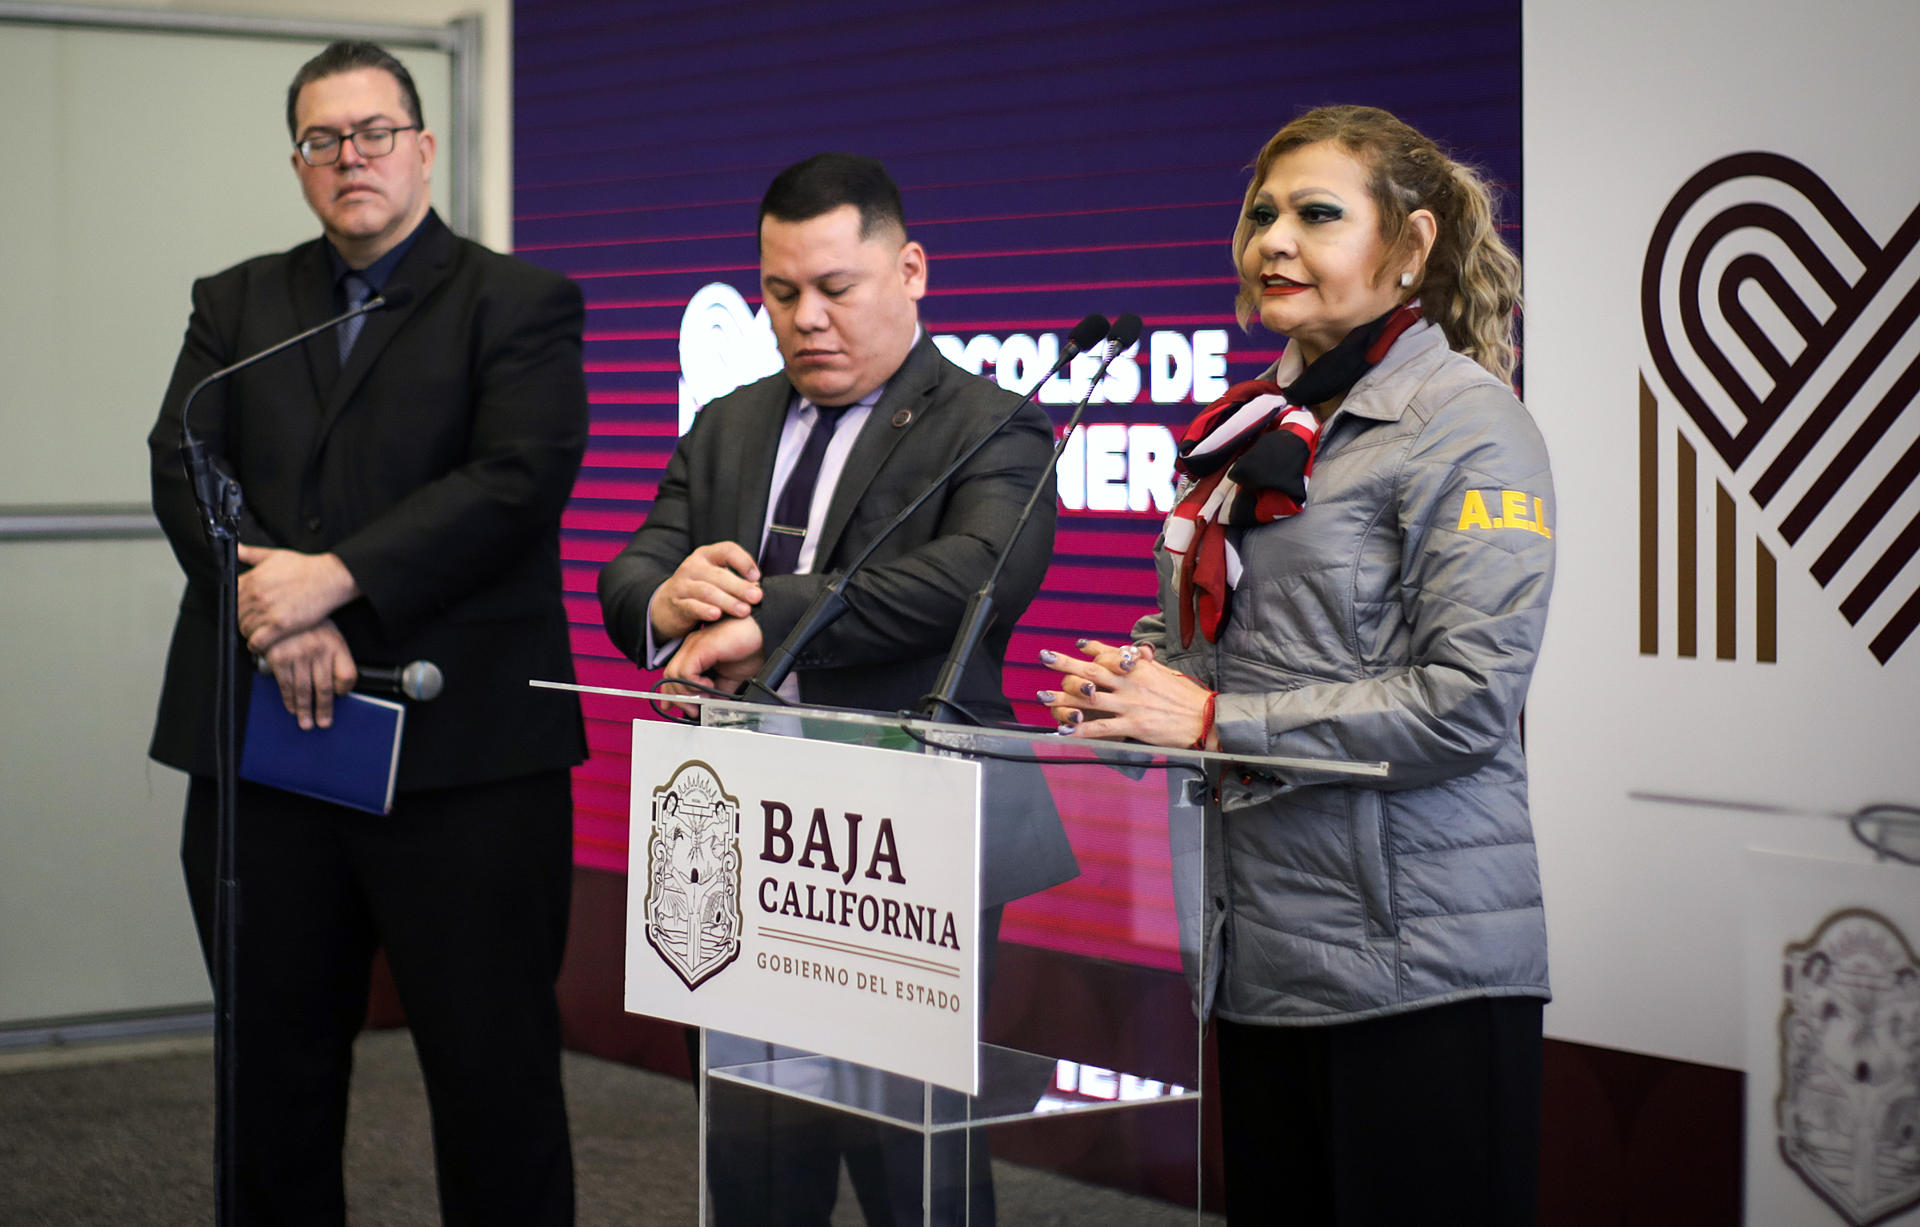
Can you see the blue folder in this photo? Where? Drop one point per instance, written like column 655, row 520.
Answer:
column 353, row 763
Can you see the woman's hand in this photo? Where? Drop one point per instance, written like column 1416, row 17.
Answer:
column 1123, row 692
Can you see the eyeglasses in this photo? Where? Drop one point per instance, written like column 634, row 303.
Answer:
column 323, row 148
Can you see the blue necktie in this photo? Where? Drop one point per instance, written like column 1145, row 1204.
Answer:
column 788, row 532
column 358, row 292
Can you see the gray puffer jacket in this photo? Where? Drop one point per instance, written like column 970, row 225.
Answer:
column 1397, row 618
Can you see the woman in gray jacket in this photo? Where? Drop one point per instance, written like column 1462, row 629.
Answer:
column 1358, row 569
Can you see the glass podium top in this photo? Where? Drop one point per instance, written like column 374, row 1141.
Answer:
column 904, row 732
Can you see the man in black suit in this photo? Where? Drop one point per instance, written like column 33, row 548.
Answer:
column 404, row 482
column 706, row 588
column 842, row 282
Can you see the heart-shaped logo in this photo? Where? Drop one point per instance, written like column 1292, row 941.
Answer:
column 1788, row 336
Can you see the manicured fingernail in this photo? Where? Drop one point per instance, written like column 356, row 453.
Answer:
column 1064, row 729
column 1074, row 717
column 1080, row 643
column 1046, row 696
column 1046, row 656
column 1126, row 664
column 1086, row 688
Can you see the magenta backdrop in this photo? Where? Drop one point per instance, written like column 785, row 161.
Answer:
column 1055, row 159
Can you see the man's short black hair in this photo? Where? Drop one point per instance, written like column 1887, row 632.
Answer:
column 825, row 182
column 346, row 56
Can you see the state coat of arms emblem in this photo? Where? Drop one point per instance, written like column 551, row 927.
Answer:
column 693, row 875
column 1849, row 1105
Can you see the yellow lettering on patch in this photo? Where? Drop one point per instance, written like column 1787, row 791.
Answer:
column 1473, row 512
column 1518, row 509
column 1513, row 509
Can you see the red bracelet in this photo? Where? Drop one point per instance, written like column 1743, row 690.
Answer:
column 1206, row 720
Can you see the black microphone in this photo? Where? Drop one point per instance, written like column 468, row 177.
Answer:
column 978, row 618
column 213, row 489
column 832, row 601
column 420, row 681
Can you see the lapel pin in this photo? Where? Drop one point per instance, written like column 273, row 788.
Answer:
column 902, row 416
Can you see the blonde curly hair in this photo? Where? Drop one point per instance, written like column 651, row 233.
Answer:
column 1470, row 283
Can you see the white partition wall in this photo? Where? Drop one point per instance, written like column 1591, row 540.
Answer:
column 1706, row 643
column 1723, row 280
column 153, row 157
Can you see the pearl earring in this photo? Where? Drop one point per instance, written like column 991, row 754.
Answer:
column 1406, row 280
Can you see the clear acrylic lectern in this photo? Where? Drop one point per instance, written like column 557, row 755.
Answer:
column 1089, row 1062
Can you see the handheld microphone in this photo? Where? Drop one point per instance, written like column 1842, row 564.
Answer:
column 420, row 681
column 832, row 601
column 213, row 489
column 978, row 618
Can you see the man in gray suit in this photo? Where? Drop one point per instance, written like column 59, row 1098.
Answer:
column 868, row 412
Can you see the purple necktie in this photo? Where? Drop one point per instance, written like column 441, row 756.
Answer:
column 788, row 532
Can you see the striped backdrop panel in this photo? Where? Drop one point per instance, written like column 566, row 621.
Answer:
column 1055, row 159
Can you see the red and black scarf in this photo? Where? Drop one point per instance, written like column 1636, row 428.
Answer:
column 1248, row 457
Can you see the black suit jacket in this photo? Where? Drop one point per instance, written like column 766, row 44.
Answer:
column 904, row 606
column 435, row 465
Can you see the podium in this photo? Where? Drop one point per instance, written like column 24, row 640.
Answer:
column 1056, row 1028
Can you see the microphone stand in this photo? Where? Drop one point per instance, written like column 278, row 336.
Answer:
column 222, row 505
column 978, row 618
column 222, row 523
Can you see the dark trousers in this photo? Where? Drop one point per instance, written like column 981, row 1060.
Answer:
column 775, row 1162
column 467, row 890
column 1432, row 1116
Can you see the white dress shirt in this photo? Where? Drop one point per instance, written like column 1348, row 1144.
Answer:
column 801, row 416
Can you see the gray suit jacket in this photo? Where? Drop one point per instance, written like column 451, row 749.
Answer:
column 904, row 606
